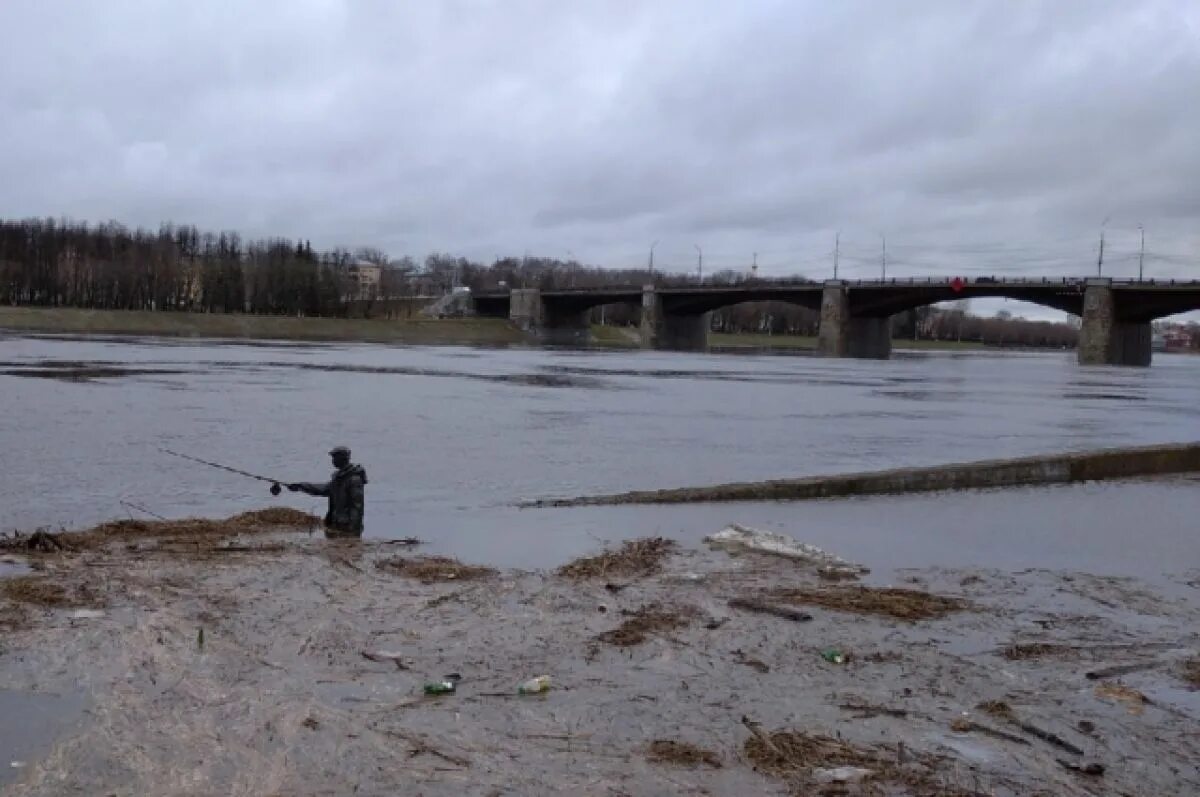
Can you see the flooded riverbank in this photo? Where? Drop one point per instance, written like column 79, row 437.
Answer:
column 286, row 663
column 242, row 670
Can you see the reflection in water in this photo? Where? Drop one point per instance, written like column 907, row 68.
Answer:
column 454, row 436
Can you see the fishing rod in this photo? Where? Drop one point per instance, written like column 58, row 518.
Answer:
column 275, row 488
column 141, row 508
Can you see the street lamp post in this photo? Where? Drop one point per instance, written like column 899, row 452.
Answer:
column 1141, row 252
column 699, row 263
column 883, row 259
column 652, row 260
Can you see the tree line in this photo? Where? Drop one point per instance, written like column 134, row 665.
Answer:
column 64, row 263
column 50, row 263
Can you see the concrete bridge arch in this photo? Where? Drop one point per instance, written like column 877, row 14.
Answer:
column 855, row 318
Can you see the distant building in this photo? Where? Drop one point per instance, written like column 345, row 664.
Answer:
column 364, row 279
column 192, row 283
column 1177, row 339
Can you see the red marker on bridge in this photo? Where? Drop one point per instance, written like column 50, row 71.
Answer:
column 956, row 284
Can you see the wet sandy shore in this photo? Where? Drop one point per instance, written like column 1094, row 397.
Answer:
column 242, row 671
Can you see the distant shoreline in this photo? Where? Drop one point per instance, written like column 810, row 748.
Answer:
column 72, row 321
column 410, row 330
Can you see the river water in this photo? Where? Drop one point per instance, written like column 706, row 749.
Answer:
column 452, row 437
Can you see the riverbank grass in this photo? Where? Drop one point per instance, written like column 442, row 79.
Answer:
column 72, row 321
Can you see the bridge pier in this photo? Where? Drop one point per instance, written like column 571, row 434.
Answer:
column 525, row 308
column 1103, row 339
column 664, row 330
column 842, row 334
column 548, row 324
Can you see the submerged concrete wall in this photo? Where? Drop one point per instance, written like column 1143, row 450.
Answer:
column 1116, row 463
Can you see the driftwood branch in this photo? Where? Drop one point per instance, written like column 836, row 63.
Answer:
column 761, row 607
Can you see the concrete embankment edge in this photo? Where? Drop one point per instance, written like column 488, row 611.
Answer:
column 1113, row 463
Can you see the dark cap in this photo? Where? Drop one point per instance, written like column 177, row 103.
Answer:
column 339, row 450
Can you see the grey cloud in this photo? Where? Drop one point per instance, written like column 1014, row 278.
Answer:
column 973, row 134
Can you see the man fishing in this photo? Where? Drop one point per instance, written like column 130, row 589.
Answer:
column 345, row 490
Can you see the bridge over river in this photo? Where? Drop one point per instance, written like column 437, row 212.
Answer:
column 855, row 316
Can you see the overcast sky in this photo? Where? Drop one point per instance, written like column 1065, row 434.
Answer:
column 978, row 137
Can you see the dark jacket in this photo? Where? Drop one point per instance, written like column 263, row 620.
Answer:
column 346, row 493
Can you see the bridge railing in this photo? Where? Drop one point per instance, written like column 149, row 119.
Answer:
column 950, row 280
column 800, row 282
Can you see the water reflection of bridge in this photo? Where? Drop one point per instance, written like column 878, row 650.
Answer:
column 855, row 316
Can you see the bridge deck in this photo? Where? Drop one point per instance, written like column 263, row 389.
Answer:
column 1138, row 300
column 902, row 282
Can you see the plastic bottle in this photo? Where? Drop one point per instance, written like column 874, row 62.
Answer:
column 440, row 688
column 833, row 656
column 535, row 685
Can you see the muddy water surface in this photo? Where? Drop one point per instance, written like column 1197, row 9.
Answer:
column 43, row 717
column 451, row 437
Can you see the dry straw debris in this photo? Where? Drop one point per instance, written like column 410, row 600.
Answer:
column 789, row 752
column 902, row 604
column 1036, row 650
column 809, row 759
column 997, row 709
column 433, row 569
column 1191, row 671
column 668, row 751
column 635, row 558
column 1133, row 700
column 42, row 591
column 646, row 621
column 190, row 531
